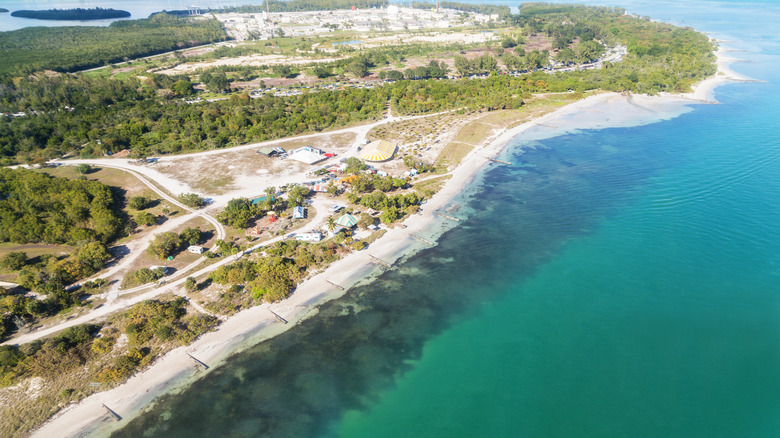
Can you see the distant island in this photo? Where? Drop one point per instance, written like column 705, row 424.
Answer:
column 72, row 14
column 178, row 13
column 3, row 10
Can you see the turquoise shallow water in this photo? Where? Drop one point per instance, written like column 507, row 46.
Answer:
column 613, row 283
column 662, row 320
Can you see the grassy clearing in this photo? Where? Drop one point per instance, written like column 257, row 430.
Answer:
column 503, row 118
column 217, row 185
column 374, row 236
column 452, row 154
column 324, row 141
column 35, row 250
column 32, row 251
column 474, row 133
column 107, row 176
column 429, row 187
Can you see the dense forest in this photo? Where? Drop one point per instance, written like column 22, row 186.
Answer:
column 36, row 207
column 72, row 14
column 124, row 119
column 67, row 49
column 99, row 116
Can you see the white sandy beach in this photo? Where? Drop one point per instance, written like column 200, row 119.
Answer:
column 176, row 369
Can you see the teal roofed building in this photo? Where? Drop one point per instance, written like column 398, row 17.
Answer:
column 260, row 199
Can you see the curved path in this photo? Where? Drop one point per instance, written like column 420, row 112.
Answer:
column 137, row 246
column 176, row 287
column 114, row 302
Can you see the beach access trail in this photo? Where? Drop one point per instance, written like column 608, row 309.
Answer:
column 164, row 185
column 176, row 368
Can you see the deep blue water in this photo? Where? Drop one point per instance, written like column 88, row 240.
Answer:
column 620, row 282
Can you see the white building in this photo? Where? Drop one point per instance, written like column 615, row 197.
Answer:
column 314, row 236
column 196, row 249
column 308, row 155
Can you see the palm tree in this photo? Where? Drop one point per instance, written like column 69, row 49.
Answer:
column 331, row 223
column 270, row 197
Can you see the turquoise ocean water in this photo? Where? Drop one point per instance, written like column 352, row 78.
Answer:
column 622, row 282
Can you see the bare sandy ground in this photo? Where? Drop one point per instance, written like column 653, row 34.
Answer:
column 176, row 370
column 270, row 60
column 248, row 60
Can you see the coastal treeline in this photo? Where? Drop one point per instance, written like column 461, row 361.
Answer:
column 67, row 49
column 88, row 358
column 119, row 116
column 122, row 117
column 97, row 116
column 273, row 278
column 661, row 57
column 72, row 14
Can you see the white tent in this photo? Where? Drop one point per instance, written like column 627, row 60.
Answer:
column 307, row 154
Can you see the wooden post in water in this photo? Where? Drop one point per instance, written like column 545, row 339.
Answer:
column 388, row 265
column 278, row 317
column 334, row 284
column 112, row 413
column 448, row 217
column 197, row 362
column 421, row 239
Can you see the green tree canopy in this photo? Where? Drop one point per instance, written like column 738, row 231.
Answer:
column 41, row 208
column 165, row 244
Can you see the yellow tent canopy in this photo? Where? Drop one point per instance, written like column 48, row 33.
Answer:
column 379, row 150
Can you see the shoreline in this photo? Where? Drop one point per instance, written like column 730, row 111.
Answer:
column 175, row 371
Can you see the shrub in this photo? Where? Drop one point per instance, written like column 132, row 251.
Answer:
column 14, row 261
column 191, row 236
column 84, row 168
column 141, row 276
column 165, row 244
column 138, row 202
column 145, row 218
column 192, row 200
